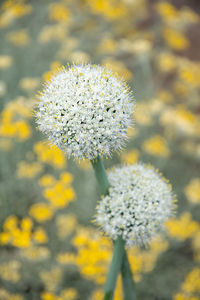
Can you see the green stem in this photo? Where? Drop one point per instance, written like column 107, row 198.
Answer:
column 127, row 279
column 115, row 267
column 101, row 175
column 119, row 260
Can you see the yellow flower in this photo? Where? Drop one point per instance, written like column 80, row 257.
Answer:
column 28, row 170
column 51, row 280
column 166, row 62
column 10, row 271
column 66, row 258
column 18, row 38
column 41, row 212
column 46, row 180
column 50, row 154
column 192, row 190
column 130, row 157
column 118, row 67
column 175, row 39
column 58, row 12
column 59, row 195
column 54, row 68
column 29, row 83
column 69, row 294
column 156, row 145
column 5, row 61
column 182, row 228
column 40, row 236
column 167, row 11
column 65, row 224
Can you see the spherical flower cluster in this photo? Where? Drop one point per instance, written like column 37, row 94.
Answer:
column 85, row 110
column 139, row 202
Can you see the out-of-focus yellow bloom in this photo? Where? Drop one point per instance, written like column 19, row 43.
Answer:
column 18, row 38
column 12, row 10
column 40, row 236
column 49, row 296
column 50, row 154
column 190, row 288
column 41, row 212
column 65, row 223
column 175, row 39
column 142, row 114
column 28, row 170
column 46, row 180
column 66, row 258
column 5, row 61
column 166, row 62
column 68, row 294
column 118, row 67
column 54, row 68
column 52, row 32
column 107, row 45
column 51, row 279
column 59, row 195
column 95, row 251
column 130, row 157
column 29, row 83
column 192, row 190
column 156, row 145
column 182, row 228
column 180, row 89
column 189, row 73
column 35, row 253
column 167, row 11
column 59, row 13
column 110, row 9
column 181, row 119
column 10, row 271
column 5, row 295
column 66, row 177
column 165, row 96
column 79, row 57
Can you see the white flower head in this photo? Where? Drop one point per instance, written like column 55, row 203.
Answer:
column 86, row 110
column 140, row 200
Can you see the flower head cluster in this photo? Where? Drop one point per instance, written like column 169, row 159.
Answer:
column 138, row 204
column 86, row 110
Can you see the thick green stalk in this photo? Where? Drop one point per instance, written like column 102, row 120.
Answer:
column 119, row 260
column 127, row 279
column 115, row 267
column 101, row 175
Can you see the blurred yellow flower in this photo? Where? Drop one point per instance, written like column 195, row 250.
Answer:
column 166, row 62
column 40, row 236
column 41, row 212
column 118, row 67
column 50, row 154
column 58, row 12
column 156, row 145
column 182, row 228
column 46, row 180
column 68, row 294
column 5, row 61
column 175, row 39
column 65, row 223
column 10, row 271
column 192, row 190
column 54, row 68
column 28, row 170
column 166, row 10
column 59, row 195
column 130, row 157
column 51, row 279
column 18, row 38
column 29, row 83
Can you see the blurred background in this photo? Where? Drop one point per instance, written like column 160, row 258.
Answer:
column 49, row 248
